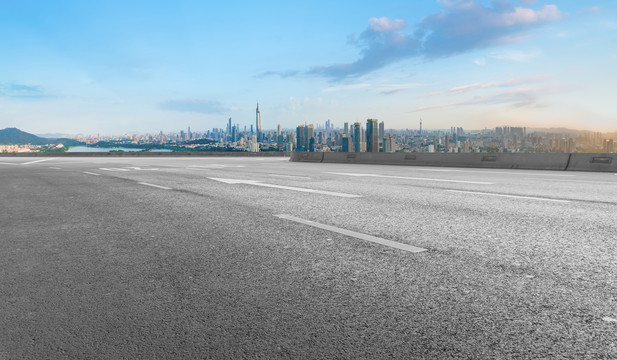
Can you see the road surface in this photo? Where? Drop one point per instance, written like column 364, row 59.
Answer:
column 262, row 258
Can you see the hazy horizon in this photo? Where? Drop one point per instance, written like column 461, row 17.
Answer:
column 113, row 67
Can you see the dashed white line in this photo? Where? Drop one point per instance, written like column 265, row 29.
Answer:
column 216, row 166
column 114, row 169
column 55, row 168
column 156, row 186
column 259, row 183
column 357, row 235
column 411, row 178
column 509, row 196
column 290, row 176
column 36, row 161
column 91, row 173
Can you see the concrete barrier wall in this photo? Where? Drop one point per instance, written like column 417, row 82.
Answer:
column 307, row 156
column 535, row 161
column 151, row 154
column 593, row 162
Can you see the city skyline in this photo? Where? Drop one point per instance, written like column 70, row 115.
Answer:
column 110, row 67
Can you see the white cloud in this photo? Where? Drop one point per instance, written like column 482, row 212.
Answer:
column 526, row 16
column 384, row 24
column 480, row 61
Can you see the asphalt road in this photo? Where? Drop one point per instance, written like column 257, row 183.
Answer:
column 261, row 258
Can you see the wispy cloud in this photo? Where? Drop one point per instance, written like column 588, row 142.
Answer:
column 511, row 82
column 21, row 91
column 492, row 84
column 388, row 89
column 519, row 97
column 345, row 87
column 195, row 105
column 517, row 56
column 283, row 74
column 593, row 10
column 463, row 25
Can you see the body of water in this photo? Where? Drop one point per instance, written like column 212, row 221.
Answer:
column 94, row 149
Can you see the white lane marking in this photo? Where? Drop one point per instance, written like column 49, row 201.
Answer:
column 513, row 172
column 5, row 163
column 215, row 166
column 91, row 173
column 410, row 178
column 510, row 196
column 258, row 183
column 357, row 235
column 55, row 168
column 114, row 169
column 36, row 161
column 290, row 176
column 576, row 181
column 138, row 168
column 156, row 186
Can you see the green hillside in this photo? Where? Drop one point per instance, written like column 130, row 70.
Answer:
column 14, row 136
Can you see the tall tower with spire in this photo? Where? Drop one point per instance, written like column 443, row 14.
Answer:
column 258, row 123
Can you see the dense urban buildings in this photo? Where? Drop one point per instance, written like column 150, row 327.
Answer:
column 374, row 136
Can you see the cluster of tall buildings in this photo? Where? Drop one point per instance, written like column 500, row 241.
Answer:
column 371, row 136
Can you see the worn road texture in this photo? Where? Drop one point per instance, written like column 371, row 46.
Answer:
column 154, row 258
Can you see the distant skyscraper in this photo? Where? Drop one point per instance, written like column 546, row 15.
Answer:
column 347, row 144
column 310, row 135
column 389, row 143
column 258, row 123
column 372, row 136
column 229, row 128
column 300, row 138
column 346, row 127
column 357, row 137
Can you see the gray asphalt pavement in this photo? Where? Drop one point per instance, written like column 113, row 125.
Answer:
column 158, row 258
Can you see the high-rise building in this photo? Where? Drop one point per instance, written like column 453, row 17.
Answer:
column 347, row 144
column 346, row 129
column 372, row 136
column 357, row 137
column 300, row 138
column 258, row 123
column 229, row 129
column 389, row 143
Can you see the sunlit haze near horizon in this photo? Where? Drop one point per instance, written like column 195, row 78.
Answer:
column 109, row 66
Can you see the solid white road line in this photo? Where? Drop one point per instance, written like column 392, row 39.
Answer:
column 91, row 173
column 410, row 178
column 290, row 176
column 258, row 183
column 55, row 168
column 36, row 161
column 509, row 196
column 513, row 172
column 357, row 235
column 114, row 169
column 5, row 163
column 156, row 186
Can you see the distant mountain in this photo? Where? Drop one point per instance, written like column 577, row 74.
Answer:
column 14, row 136
column 53, row 135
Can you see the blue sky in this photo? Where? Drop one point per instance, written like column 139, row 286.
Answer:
column 110, row 66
